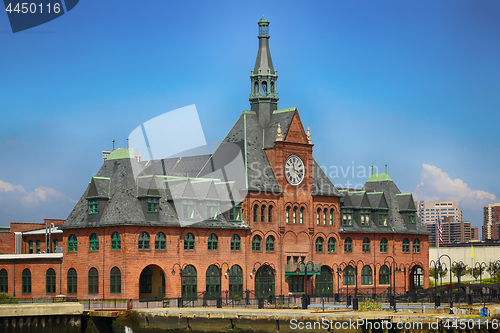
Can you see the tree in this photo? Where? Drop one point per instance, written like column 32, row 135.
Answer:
column 493, row 269
column 477, row 271
column 459, row 269
column 441, row 272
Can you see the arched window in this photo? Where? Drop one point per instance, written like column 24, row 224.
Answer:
column 384, row 275
column 189, row 283
column 348, row 245
column 416, row 245
column 301, row 215
column 256, row 243
column 160, row 241
column 26, row 281
column 324, row 282
column 295, row 215
column 255, row 213
column 270, row 214
column 30, row 246
column 366, row 276
column 318, row 216
column 272, row 87
column 93, row 242
column 256, row 87
column 72, row 243
column 144, row 241
column 235, row 243
column 37, row 246
column 348, row 276
column 50, row 281
column 189, row 242
column 116, row 242
column 270, row 244
column 325, row 216
column 213, row 282
column 264, row 282
column 331, row 216
column 384, row 245
column 115, row 281
column 331, row 245
column 366, row 245
column 288, row 214
column 236, row 282
column 319, row 244
column 4, row 281
column 406, row 245
column 93, row 281
column 263, row 213
column 213, row 242
column 264, row 87
column 72, row 283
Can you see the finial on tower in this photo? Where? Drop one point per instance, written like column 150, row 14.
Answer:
column 309, row 136
column 372, row 169
column 386, row 168
column 127, row 142
column 279, row 136
column 113, row 144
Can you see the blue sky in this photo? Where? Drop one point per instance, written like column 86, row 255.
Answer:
column 411, row 84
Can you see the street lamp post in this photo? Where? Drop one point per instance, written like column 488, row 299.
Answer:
column 392, row 265
column 451, row 284
column 305, row 300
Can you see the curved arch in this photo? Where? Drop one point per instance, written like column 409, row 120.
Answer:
column 213, row 242
column 4, row 281
column 115, row 281
column 235, row 242
column 189, row 242
column 384, row 245
column 256, row 243
column 417, row 278
column 264, row 282
column 236, row 282
column 366, row 276
column 270, row 243
column 406, row 245
column 72, row 281
column 151, row 282
column 332, row 244
column 50, row 281
column 319, row 245
column 416, row 245
column 366, row 245
column 324, row 282
column 189, row 282
column 93, row 281
column 213, row 282
column 160, row 241
column 72, row 243
column 144, row 241
column 348, row 274
column 348, row 245
column 94, row 242
column 26, row 281
column 384, row 275
column 116, row 242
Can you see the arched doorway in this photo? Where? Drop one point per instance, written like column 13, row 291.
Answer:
column 213, row 282
column 152, row 283
column 189, row 282
column 264, row 282
column 236, row 282
column 324, row 282
column 417, row 278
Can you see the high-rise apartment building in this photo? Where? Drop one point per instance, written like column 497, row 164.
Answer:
column 429, row 210
column 453, row 232
column 491, row 222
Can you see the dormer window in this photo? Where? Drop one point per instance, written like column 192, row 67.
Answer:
column 365, row 218
column 153, row 205
column 188, row 210
column 347, row 217
column 411, row 217
column 93, row 207
column 212, row 211
column 235, row 213
column 383, row 220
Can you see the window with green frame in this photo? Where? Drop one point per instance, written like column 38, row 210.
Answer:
column 213, row 242
column 37, row 246
column 153, row 205
column 349, row 276
column 270, row 214
column 383, row 220
column 235, row 243
column 366, row 276
column 331, row 245
column 56, row 245
column 325, row 216
column 347, row 217
column 236, row 282
column 93, row 242
column 50, row 281
column 270, row 244
column 30, row 246
column 189, row 283
column 4, row 281
column 235, row 213
column 189, row 242
column 331, row 216
column 365, row 217
column 318, row 216
column 115, row 281
column 319, row 244
column 295, row 215
column 213, row 211
column 416, row 245
column 384, row 245
column 263, row 213
column 26, row 281
column 296, row 284
column 406, row 245
column 302, row 209
column 384, row 275
column 188, row 210
column 144, row 241
column 93, row 281
column 256, row 243
column 93, row 207
column 72, row 284
column 160, row 241
column 256, row 213
column 72, row 243
column 348, row 245
column 366, row 245
column 116, row 242
column 288, row 215
column 411, row 217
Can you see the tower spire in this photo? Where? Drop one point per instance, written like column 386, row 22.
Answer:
column 264, row 96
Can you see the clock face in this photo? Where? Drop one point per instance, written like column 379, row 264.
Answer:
column 294, row 170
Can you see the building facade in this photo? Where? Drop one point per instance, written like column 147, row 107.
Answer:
column 430, row 210
column 491, row 222
column 274, row 225
column 453, row 232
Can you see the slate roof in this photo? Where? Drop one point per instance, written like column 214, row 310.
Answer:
column 121, row 193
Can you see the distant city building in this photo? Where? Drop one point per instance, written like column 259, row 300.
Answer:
column 136, row 152
column 491, row 221
column 453, row 232
column 429, row 210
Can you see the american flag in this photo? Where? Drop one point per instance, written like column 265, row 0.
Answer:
column 440, row 228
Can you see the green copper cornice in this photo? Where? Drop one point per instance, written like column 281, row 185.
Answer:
column 119, row 154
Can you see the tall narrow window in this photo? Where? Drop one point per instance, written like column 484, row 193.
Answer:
column 213, row 211
column 116, row 243
column 50, row 281
column 235, row 213
column 153, row 204
column 115, row 281
column 319, row 244
column 93, row 207
column 263, row 213
column 72, row 281
column 288, row 214
column 365, row 217
column 37, row 246
column 255, row 213
column 160, row 241
column 188, row 210
column 366, row 276
column 384, row 275
column 93, row 281
column 347, row 217
column 406, row 245
column 384, row 245
column 30, row 246
column 416, row 245
column 301, row 215
column 318, row 216
column 331, row 216
column 235, row 243
column 366, row 245
column 213, row 242
column 348, row 245
column 4, row 281
column 144, row 241
column 93, row 242
column 325, row 216
column 411, row 217
column 256, row 243
column 189, row 242
column 331, row 245
column 26, row 281
column 295, row 215
column 270, row 214
column 382, row 218
column 72, row 243
column 270, row 244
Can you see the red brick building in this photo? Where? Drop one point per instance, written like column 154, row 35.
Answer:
column 263, row 226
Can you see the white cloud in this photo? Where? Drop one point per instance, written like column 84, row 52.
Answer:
column 30, row 199
column 435, row 184
column 6, row 187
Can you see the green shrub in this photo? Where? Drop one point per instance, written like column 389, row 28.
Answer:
column 370, row 305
